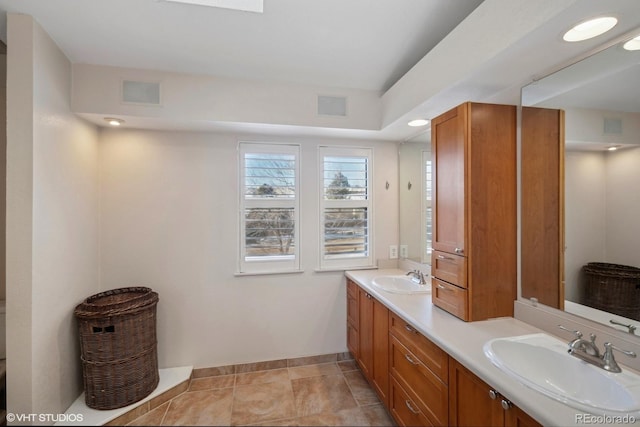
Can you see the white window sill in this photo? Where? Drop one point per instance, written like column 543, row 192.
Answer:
column 264, row 273
column 330, row 269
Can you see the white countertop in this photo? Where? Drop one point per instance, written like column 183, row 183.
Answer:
column 464, row 341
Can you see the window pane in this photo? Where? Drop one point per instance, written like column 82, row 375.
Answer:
column 269, row 232
column 269, row 175
column 346, row 231
column 345, row 178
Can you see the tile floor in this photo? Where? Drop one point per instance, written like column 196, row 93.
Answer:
column 326, row 394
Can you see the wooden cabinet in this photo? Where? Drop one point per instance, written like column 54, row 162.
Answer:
column 419, row 374
column 417, row 381
column 474, row 216
column 472, row 402
column 368, row 337
column 353, row 319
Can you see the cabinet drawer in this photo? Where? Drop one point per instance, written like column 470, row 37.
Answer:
column 450, row 268
column 403, row 409
column 352, row 288
column 430, row 354
column 450, row 298
column 425, row 389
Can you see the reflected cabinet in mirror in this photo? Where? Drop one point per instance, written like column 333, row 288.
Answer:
column 580, row 205
column 415, row 198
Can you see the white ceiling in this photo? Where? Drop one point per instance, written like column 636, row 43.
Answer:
column 363, row 44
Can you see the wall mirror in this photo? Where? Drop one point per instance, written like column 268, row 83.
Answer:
column 414, row 156
column 600, row 97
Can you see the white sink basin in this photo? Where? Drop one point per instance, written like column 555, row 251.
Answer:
column 541, row 362
column 400, row 285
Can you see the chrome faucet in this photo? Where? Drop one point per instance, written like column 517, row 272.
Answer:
column 588, row 351
column 417, row 276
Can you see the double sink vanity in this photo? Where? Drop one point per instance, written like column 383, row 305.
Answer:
column 447, row 348
column 431, row 368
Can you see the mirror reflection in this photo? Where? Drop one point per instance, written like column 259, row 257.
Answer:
column 600, row 96
column 415, row 198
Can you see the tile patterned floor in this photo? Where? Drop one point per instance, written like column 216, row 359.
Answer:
column 326, row 394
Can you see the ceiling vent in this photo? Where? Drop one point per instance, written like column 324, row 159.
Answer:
column 613, row 126
column 335, row 106
column 144, row 93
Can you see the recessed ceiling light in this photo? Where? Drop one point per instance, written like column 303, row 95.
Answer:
column 614, row 147
column 242, row 5
column 589, row 29
column 113, row 121
column 418, row 122
column 633, row 44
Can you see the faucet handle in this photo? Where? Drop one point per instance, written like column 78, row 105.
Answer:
column 578, row 334
column 610, row 363
column 608, row 347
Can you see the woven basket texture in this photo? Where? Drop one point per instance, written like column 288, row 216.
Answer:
column 118, row 346
column 613, row 288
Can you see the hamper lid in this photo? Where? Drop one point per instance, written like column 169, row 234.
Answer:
column 117, row 301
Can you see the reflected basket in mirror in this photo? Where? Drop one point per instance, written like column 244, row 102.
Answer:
column 613, row 288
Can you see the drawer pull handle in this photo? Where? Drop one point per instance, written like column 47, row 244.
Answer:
column 411, row 408
column 445, row 257
column 410, row 359
column 493, row 394
column 458, row 250
column 506, row 405
column 409, row 328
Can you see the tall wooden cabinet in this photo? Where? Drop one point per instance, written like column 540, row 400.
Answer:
column 475, row 212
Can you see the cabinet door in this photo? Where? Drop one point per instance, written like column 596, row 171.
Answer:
column 380, row 374
column 516, row 417
column 469, row 400
column 448, row 141
column 365, row 332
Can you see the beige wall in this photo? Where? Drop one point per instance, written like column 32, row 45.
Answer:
column 169, row 221
column 52, row 223
column 3, row 173
column 90, row 210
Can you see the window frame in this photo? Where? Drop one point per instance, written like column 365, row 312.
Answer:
column 337, row 262
column 267, row 264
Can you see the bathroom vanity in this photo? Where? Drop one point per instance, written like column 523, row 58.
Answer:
column 436, row 369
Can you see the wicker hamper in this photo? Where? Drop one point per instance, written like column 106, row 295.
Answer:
column 613, row 288
column 118, row 346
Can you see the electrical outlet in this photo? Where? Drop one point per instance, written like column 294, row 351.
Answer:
column 393, row 252
column 404, row 251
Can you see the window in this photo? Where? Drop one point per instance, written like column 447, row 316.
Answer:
column 269, row 208
column 427, row 215
column 346, row 208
